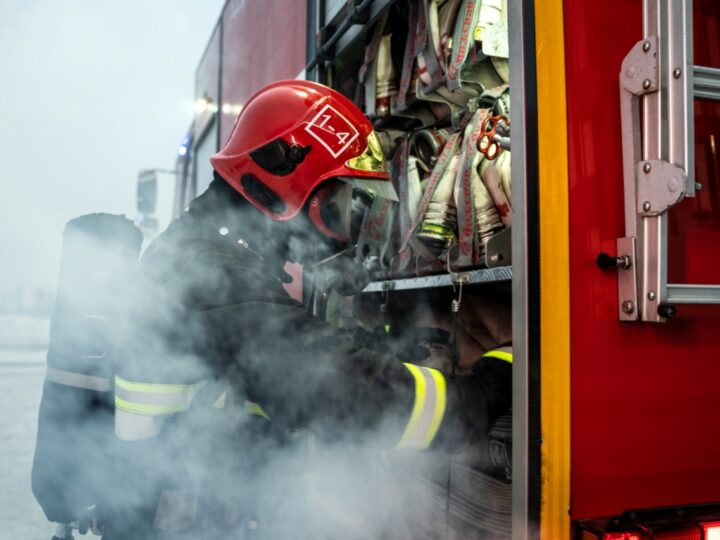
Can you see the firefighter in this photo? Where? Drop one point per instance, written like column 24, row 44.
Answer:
column 215, row 326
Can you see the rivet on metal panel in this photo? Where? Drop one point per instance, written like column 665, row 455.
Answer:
column 651, row 295
column 646, row 46
column 698, row 186
column 647, row 168
column 646, row 84
column 628, row 307
column 677, row 72
column 647, row 206
column 675, row 183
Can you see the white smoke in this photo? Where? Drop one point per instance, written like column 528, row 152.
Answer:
column 312, row 474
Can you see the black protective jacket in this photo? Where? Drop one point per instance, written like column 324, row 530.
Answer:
column 212, row 307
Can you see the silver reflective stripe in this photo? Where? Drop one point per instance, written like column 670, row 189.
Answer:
column 77, row 380
column 428, row 409
column 137, row 427
column 176, row 509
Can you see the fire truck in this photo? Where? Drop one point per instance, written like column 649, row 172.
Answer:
column 607, row 267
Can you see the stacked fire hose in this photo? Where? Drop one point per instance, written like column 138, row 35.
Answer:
column 443, row 112
column 434, row 80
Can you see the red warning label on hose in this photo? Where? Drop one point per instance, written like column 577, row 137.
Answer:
column 332, row 130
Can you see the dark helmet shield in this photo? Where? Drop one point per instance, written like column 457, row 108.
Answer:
column 338, row 209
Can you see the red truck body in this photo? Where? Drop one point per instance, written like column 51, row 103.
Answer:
column 640, row 400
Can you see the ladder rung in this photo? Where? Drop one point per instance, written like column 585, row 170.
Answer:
column 706, row 82
column 693, row 294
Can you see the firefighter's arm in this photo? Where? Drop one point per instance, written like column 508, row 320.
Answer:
column 305, row 373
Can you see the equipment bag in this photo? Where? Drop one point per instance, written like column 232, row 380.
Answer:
column 71, row 468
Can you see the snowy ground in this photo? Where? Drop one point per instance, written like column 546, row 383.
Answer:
column 22, row 370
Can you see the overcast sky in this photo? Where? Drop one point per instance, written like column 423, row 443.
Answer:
column 90, row 92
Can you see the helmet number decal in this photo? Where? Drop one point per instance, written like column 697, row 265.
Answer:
column 332, row 130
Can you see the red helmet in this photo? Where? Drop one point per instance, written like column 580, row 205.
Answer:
column 292, row 136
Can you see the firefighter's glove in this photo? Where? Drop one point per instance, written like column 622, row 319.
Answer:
column 405, row 346
column 342, row 274
column 475, row 403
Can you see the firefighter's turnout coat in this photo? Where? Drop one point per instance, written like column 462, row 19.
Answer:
column 221, row 368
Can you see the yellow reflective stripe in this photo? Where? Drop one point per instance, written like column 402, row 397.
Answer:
column 257, row 410
column 140, row 408
column 428, row 408
column 500, row 355
column 153, row 388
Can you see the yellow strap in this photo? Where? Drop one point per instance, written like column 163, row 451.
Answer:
column 220, row 402
column 257, row 410
column 428, row 409
column 500, row 355
column 154, row 388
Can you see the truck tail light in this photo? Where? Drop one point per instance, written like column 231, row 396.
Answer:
column 699, row 522
column 595, row 533
column 711, row 530
column 691, row 532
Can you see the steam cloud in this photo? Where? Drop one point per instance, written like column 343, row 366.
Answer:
column 284, row 478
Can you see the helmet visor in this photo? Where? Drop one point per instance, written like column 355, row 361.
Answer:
column 339, row 208
column 372, row 159
column 374, row 188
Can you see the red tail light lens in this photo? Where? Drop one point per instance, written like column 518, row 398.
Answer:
column 691, row 532
column 711, row 530
column 697, row 522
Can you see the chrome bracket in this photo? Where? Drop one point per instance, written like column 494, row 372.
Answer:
column 660, row 186
column 459, row 278
column 627, row 281
column 639, row 74
column 498, row 250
